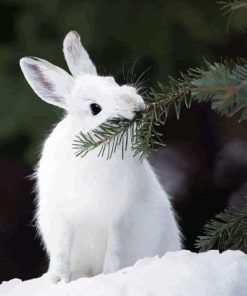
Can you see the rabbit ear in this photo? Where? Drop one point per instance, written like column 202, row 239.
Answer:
column 76, row 56
column 51, row 83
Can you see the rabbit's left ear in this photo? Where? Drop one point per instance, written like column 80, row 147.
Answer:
column 51, row 83
column 76, row 56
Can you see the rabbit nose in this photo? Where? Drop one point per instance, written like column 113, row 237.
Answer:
column 139, row 107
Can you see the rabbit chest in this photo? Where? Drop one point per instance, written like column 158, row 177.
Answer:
column 90, row 188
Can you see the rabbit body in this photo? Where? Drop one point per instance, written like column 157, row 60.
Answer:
column 97, row 215
column 94, row 215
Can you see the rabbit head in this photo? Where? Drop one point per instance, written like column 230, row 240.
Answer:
column 91, row 99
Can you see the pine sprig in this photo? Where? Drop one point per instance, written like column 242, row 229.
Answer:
column 108, row 137
column 227, row 231
column 236, row 11
column 142, row 131
column 158, row 105
column 232, row 5
column 225, row 86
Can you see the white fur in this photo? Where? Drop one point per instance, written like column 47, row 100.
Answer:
column 94, row 215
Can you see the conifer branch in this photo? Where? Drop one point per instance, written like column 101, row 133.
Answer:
column 142, row 130
column 108, row 136
column 232, row 5
column 224, row 85
column 228, row 230
column 235, row 9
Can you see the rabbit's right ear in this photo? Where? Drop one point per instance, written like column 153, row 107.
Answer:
column 51, row 83
column 76, row 56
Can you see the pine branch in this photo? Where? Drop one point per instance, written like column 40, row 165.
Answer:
column 225, row 86
column 108, row 136
column 158, row 105
column 235, row 9
column 227, row 231
column 232, row 5
column 142, row 130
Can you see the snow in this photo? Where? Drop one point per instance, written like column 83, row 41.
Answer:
column 181, row 273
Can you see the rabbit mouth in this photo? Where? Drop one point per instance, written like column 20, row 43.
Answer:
column 138, row 109
column 127, row 114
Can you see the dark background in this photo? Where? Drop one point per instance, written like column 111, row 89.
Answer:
column 204, row 164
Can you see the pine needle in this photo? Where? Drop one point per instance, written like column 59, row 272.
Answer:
column 224, row 85
column 227, row 231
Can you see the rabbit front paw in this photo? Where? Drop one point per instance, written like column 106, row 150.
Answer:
column 54, row 277
column 59, row 270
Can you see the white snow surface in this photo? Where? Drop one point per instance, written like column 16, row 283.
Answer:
column 181, row 273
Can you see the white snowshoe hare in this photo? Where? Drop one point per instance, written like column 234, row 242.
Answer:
column 94, row 215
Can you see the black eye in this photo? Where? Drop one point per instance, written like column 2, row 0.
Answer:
column 95, row 108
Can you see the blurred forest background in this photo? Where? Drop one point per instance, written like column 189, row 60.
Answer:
column 204, row 166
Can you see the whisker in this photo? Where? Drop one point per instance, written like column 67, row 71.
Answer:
column 130, row 71
column 123, row 72
column 133, row 69
column 144, row 72
column 127, row 76
column 141, row 85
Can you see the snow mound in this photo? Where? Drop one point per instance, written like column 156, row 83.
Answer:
column 175, row 274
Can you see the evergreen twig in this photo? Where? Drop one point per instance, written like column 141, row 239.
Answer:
column 234, row 8
column 228, row 230
column 223, row 84
column 232, row 5
column 108, row 136
column 142, row 130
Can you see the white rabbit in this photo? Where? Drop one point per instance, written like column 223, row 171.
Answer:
column 94, row 215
